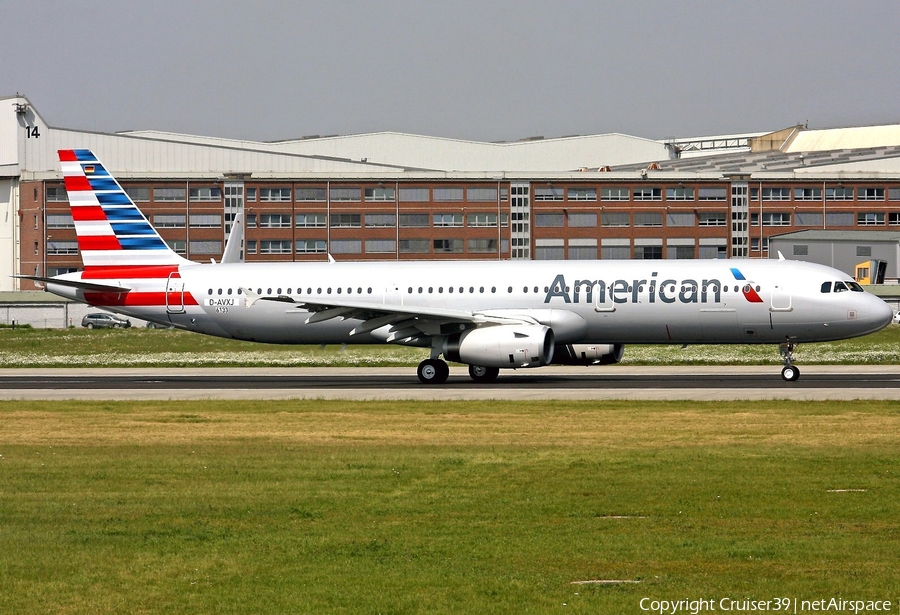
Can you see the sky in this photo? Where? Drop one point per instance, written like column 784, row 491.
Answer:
column 489, row 70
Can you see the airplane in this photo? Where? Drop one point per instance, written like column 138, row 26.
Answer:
column 489, row 315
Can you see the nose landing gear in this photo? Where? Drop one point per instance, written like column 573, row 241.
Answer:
column 789, row 372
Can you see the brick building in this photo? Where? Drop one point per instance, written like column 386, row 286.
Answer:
column 388, row 196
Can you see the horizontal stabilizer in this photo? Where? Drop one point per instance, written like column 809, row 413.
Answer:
column 88, row 286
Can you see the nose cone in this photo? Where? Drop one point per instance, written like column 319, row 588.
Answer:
column 878, row 314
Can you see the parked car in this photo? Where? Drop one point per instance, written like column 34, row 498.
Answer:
column 896, row 319
column 98, row 320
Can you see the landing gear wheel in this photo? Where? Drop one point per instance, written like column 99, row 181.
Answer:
column 483, row 374
column 433, row 371
column 790, row 373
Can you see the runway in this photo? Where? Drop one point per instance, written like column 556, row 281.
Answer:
column 817, row 382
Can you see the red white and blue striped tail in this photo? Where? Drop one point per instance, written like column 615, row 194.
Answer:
column 111, row 230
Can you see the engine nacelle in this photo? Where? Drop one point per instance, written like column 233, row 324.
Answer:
column 588, row 354
column 502, row 346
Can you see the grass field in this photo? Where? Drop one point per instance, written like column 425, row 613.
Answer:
column 162, row 348
column 494, row 507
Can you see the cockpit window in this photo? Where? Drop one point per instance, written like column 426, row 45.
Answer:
column 855, row 287
column 840, row 287
column 826, row 287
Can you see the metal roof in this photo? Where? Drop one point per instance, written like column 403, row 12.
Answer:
column 823, row 235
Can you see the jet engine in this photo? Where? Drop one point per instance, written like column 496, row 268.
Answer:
column 502, row 346
column 588, row 354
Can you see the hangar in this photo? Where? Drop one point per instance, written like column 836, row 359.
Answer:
column 392, row 196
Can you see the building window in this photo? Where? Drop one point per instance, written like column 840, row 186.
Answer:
column 414, row 195
column 680, row 219
column 871, row 194
column 648, row 218
column 754, row 244
column 346, row 220
column 585, row 252
column 206, row 247
column 544, row 220
column 414, row 246
column 381, row 221
column 549, row 253
column 482, row 220
column 894, row 194
column 864, row 250
column 712, row 218
column 808, row 218
column 448, row 219
column 346, row 246
column 648, row 194
column 807, row 194
column 62, row 248
column 250, row 246
column 894, row 218
column 582, row 220
column 307, row 194
column 310, row 220
column 205, row 221
column 138, row 194
column 615, row 193
column 615, row 252
column 870, row 218
column 712, row 194
column 251, row 195
column 60, row 221
column 271, row 246
column 275, row 221
column 679, row 194
column 771, row 219
column 345, row 194
column 648, row 252
column 168, row 195
column 481, row 195
column 168, row 220
column 274, row 195
column 681, row 252
column 448, row 246
column 448, row 194
column 839, row 194
column 801, row 250
column 56, row 194
column 379, row 194
column 310, row 246
column 206, row 194
column 776, row 194
column 584, row 194
column 251, row 220
column 481, row 246
column 839, row 218
column 179, row 246
column 380, row 246
column 548, row 193
column 615, row 219
column 415, row 220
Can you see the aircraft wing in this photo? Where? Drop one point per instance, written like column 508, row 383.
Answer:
column 406, row 323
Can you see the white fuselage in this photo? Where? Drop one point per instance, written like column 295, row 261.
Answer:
column 663, row 301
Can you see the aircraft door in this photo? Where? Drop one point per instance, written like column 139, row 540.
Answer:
column 393, row 295
column 175, row 294
column 781, row 300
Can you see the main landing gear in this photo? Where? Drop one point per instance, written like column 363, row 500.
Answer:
column 790, row 372
column 436, row 371
column 433, row 371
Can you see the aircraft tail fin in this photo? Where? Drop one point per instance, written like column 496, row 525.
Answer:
column 111, row 230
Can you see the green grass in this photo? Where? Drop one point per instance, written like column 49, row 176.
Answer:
column 142, row 347
column 340, row 507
